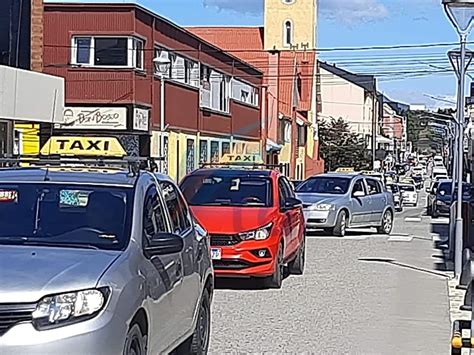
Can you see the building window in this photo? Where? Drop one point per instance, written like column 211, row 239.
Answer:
column 284, row 131
column 302, row 135
column 245, row 93
column 189, row 155
column 225, row 148
column 108, row 52
column 215, row 91
column 288, row 31
column 180, row 69
column 203, row 155
column 214, row 152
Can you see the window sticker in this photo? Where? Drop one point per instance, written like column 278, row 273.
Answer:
column 8, row 196
column 235, row 185
column 73, row 198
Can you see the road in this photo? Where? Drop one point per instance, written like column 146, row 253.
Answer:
column 363, row 294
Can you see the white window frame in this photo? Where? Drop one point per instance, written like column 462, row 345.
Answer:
column 131, row 52
column 227, row 88
column 239, row 86
column 173, row 57
column 219, row 141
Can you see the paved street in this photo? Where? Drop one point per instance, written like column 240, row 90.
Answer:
column 364, row 294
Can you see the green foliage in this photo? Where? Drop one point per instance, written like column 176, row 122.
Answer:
column 340, row 147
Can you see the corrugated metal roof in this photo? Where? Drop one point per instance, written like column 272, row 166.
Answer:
column 247, row 43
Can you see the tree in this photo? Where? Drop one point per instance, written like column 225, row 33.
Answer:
column 340, row 147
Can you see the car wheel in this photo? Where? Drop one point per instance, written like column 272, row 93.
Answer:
column 296, row 266
column 135, row 342
column 341, row 225
column 198, row 343
column 387, row 223
column 276, row 280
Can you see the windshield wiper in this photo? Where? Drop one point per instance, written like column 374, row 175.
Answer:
column 20, row 240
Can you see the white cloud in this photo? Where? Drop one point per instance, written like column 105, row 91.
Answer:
column 353, row 11
column 252, row 7
column 344, row 11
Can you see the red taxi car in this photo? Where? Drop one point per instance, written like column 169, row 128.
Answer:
column 255, row 222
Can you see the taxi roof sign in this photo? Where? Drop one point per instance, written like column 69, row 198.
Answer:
column 84, row 146
column 344, row 170
column 243, row 159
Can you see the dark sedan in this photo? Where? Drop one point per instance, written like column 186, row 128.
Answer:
column 443, row 198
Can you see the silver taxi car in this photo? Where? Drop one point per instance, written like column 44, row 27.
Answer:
column 337, row 201
column 99, row 261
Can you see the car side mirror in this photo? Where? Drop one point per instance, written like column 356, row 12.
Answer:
column 164, row 244
column 292, row 203
column 358, row 194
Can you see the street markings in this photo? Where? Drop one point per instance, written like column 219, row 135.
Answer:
column 412, row 219
column 400, row 238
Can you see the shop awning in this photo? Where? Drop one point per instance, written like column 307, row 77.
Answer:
column 272, row 146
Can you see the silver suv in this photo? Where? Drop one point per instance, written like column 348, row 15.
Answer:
column 335, row 202
column 100, row 261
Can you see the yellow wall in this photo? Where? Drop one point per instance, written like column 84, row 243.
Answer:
column 177, row 160
column 302, row 13
column 30, row 138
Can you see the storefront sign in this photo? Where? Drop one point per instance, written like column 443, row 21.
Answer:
column 112, row 118
column 140, row 119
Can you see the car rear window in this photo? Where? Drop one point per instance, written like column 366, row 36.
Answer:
column 407, row 188
column 224, row 190
column 325, row 185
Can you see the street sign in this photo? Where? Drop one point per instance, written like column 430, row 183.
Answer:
column 84, row 146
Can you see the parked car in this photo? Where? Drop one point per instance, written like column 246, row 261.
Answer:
column 418, row 170
column 255, row 222
column 397, row 196
column 100, row 261
column 431, row 190
column 410, row 196
column 335, row 202
column 439, row 171
column 443, row 198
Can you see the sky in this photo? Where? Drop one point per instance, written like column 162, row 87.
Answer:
column 410, row 75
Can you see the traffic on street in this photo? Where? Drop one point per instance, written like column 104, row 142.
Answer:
column 196, row 177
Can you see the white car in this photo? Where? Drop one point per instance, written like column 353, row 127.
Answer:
column 419, row 170
column 410, row 196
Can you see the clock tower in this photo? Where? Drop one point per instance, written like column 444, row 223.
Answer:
column 290, row 24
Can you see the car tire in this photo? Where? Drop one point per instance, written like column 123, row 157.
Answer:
column 387, row 223
column 276, row 279
column 198, row 343
column 341, row 224
column 135, row 341
column 296, row 266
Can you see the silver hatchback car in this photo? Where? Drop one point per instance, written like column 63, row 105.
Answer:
column 336, row 201
column 100, row 261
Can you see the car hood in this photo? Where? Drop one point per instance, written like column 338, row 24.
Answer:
column 29, row 273
column 318, row 198
column 232, row 220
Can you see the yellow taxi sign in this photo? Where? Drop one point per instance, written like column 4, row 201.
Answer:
column 241, row 158
column 84, row 146
column 344, row 170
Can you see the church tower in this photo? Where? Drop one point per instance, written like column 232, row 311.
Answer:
column 290, row 23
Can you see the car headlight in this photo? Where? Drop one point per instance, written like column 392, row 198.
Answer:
column 324, row 207
column 66, row 308
column 257, row 234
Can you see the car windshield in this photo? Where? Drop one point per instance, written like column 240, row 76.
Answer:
column 407, row 188
column 225, row 190
column 65, row 215
column 325, row 185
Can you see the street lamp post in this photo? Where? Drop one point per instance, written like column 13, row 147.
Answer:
column 162, row 66
column 461, row 14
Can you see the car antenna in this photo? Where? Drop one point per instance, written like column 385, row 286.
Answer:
column 53, row 114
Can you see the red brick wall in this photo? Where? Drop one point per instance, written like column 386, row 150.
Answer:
column 37, row 12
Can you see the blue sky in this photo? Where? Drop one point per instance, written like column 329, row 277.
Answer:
column 409, row 75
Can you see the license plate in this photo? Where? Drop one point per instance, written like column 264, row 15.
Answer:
column 216, row 254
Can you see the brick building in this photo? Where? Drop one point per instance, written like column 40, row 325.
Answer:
column 118, row 59
column 285, row 50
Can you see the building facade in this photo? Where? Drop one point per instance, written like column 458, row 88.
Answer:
column 162, row 90
column 284, row 50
